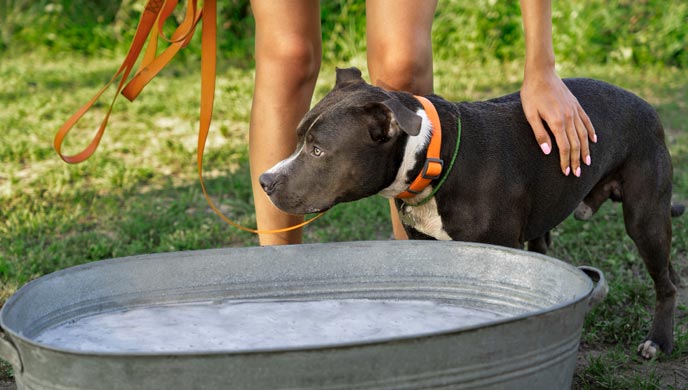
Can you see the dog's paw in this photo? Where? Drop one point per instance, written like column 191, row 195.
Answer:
column 583, row 212
column 648, row 349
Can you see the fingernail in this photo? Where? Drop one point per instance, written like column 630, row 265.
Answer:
column 545, row 148
column 568, row 170
column 588, row 161
column 578, row 172
column 594, row 138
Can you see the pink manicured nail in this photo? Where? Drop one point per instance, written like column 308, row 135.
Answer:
column 545, row 148
column 594, row 138
column 578, row 172
column 588, row 161
column 568, row 170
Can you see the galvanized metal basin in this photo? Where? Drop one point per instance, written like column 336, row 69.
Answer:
column 533, row 346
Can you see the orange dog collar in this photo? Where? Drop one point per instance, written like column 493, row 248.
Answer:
column 432, row 169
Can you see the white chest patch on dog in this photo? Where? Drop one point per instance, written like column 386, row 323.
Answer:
column 425, row 218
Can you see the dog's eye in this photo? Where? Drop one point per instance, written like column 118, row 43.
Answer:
column 316, row 151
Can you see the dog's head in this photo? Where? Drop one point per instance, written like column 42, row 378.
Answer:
column 350, row 146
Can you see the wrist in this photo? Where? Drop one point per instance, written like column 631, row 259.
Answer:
column 540, row 63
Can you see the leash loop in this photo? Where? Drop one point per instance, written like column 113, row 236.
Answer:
column 150, row 26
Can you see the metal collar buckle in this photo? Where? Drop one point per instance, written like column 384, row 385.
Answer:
column 432, row 168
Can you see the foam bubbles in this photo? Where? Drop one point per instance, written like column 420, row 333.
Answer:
column 232, row 326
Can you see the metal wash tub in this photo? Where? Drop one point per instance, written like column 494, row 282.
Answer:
column 533, row 346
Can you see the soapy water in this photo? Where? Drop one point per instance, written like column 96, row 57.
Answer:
column 232, row 326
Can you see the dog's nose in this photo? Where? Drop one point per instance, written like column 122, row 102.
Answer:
column 267, row 181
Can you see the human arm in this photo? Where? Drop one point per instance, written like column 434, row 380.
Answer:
column 546, row 98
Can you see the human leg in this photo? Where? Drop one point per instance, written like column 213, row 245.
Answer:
column 288, row 55
column 400, row 53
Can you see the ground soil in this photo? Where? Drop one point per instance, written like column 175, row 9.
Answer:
column 674, row 373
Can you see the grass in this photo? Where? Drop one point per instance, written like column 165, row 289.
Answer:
column 140, row 194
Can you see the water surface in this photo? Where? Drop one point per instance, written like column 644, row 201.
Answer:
column 246, row 325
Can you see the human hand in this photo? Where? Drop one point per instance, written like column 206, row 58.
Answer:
column 546, row 98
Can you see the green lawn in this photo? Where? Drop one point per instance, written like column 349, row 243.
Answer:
column 140, row 194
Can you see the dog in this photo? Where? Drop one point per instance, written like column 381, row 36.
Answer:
column 361, row 140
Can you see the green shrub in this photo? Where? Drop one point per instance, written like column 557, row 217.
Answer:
column 648, row 32
column 622, row 31
column 594, row 31
column 66, row 25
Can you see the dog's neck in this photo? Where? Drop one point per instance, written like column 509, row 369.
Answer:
column 415, row 148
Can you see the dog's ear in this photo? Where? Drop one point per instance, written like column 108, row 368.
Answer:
column 406, row 119
column 348, row 76
column 391, row 118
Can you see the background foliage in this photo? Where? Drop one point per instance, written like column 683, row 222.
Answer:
column 639, row 32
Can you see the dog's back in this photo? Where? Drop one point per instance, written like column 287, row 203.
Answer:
column 629, row 134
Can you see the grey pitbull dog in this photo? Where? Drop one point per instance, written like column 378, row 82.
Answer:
column 361, row 140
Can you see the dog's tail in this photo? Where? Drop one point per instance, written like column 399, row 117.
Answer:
column 677, row 210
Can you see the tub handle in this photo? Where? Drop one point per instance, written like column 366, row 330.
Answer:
column 600, row 290
column 9, row 353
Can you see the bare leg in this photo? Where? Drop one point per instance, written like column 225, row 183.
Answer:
column 400, row 54
column 288, row 55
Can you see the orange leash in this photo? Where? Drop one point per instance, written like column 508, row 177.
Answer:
column 151, row 64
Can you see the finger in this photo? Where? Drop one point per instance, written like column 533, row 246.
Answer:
column 583, row 140
column 590, row 129
column 541, row 135
column 559, row 131
column 574, row 146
